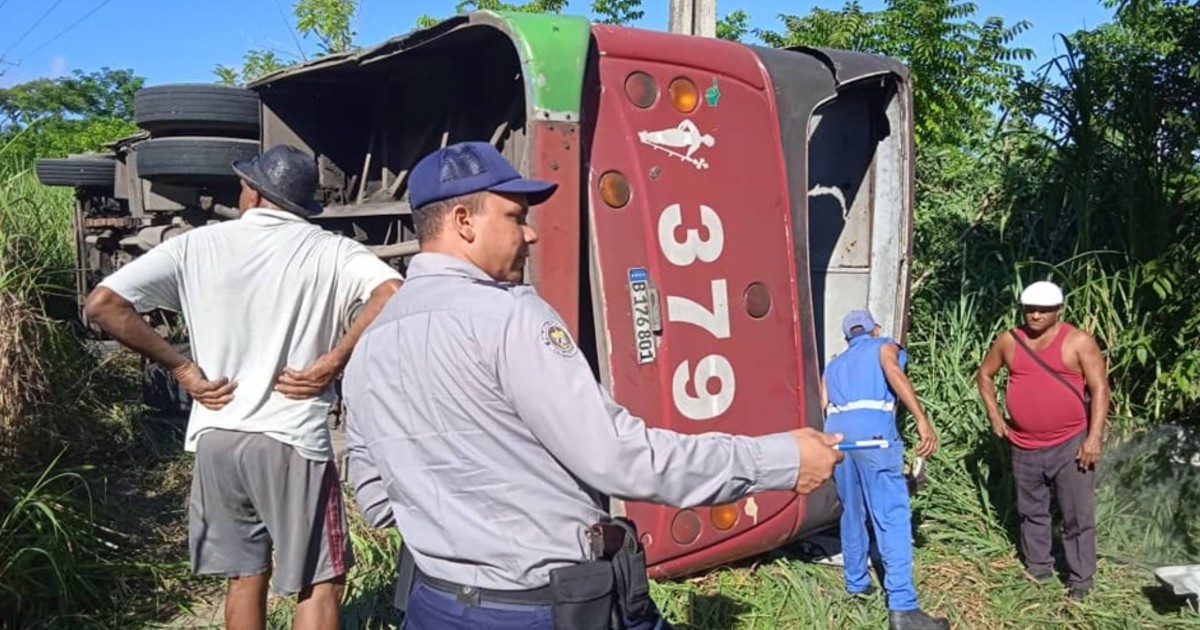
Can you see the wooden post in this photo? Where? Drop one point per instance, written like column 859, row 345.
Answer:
column 693, row 17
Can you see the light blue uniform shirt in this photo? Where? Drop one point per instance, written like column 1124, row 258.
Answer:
column 475, row 424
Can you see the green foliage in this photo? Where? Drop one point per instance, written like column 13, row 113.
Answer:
column 734, row 25
column 62, row 563
column 1149, row 498
column 1114, row 169
column 255, row 63
column 533, row 6
column 52, row 549
column 604, row 11
column 960, row 67
column 330, row 21
column 1091, row 183
column 974, row 579
column 102, row 94
column 78, row 113
column 617, row 11
column 36, row 247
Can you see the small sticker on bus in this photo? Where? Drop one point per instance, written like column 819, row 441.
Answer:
column 751, row 509
column 686, row 137
column 713, row 94
column 640, row 297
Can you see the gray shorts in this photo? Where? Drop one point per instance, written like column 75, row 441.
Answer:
column 252, row 495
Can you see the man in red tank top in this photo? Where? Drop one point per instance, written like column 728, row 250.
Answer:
column 1055, row 432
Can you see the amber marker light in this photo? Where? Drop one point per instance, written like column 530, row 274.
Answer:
column 641, row 89
column 724, row 517
column 684, row 95
column 614, row 189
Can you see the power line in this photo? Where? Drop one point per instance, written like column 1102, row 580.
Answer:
column 64, row 31
column 30, row 29
column 286, row 23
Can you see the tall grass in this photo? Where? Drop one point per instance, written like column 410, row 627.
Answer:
column 976, row 587
column 55, row 389
column 35, row 231
column 63, row 422
column 54, row 565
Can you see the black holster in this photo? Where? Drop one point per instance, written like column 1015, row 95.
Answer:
column 629, row 572
column 583, row 596
column 596, row 595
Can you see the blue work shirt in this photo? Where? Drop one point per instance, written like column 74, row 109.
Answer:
column 475, row 424
column 862, row 404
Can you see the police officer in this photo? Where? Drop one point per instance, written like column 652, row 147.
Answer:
column 475, row 424
column 859, row 392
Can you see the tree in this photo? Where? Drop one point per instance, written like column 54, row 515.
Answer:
column 606, row 11
column 330, row 21
column 81, row 112
column 734, row 25
column 961, row 68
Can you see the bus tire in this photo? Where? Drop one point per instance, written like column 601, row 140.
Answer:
column 87, row 172
column 195, row 109
column 192, row 160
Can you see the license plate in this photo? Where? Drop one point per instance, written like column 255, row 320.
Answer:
column 640, row 297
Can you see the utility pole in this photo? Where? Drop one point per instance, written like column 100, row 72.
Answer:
column 693, row 17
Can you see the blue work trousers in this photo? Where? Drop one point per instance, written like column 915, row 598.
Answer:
column 870, row 483
column 432, row 609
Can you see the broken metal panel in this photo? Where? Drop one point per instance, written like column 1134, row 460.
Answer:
column 400, row 43
column 853, row 168
column 553, row 51
column 849, row 66
column 893, row 203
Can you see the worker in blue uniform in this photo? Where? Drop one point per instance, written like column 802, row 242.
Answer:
column 859, row 392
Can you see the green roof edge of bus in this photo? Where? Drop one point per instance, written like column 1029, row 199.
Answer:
column 553, row 51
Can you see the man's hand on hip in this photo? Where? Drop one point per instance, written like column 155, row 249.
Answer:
column 311, row 381
column 211, row 394
column 817, row 457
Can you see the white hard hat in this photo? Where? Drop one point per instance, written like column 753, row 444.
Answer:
column 1042, row 293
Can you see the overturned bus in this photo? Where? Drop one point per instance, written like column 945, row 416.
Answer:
column 720, row 207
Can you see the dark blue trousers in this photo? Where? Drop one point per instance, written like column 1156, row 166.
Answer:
column 431, row 609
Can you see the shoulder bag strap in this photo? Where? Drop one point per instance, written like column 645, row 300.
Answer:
column 1033, row 355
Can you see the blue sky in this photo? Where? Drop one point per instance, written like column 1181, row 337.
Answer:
column 183, row 40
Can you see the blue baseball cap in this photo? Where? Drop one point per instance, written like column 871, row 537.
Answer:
column 470, row 167
column 858, row 318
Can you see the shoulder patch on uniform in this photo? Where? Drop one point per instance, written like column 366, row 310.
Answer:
column 556, row 337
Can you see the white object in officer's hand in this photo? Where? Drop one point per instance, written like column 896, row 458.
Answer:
column 860, row 445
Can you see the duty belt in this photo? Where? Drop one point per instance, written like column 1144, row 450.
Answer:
column 856, row 405
column 473, row 595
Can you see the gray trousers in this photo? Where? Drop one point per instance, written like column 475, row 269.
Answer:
column 1035, row 471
